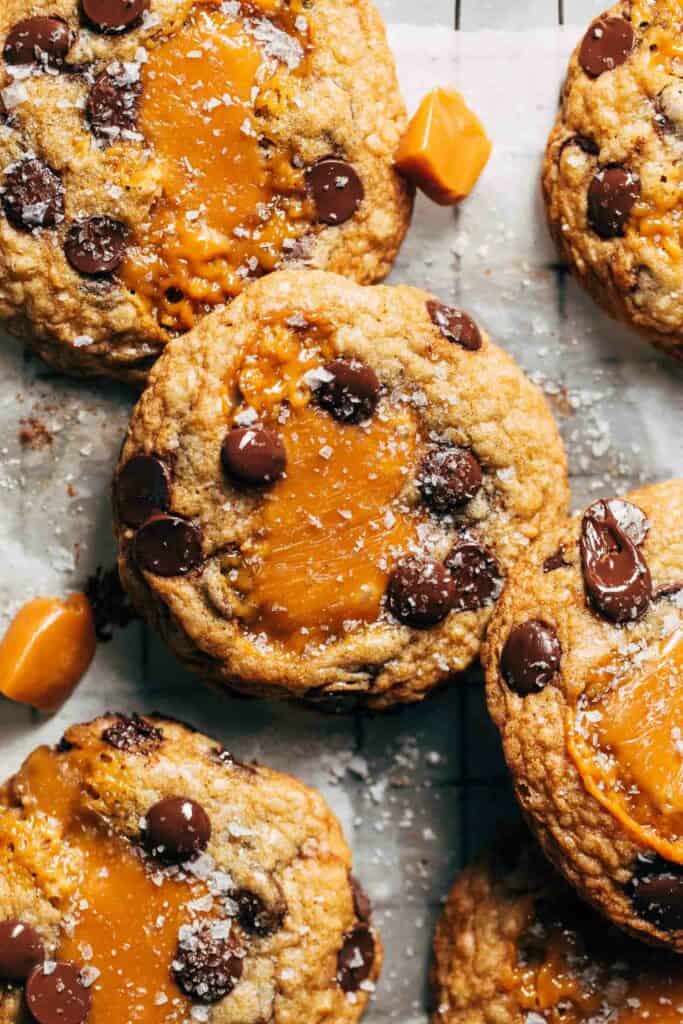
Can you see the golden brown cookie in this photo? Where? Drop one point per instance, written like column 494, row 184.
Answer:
column 516, row 946
column 157, row 155
column 146, row 875
column 324, row 487
column 612, row 171
column 584, row 661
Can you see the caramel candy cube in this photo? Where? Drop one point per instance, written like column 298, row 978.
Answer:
column 46, row 651
column 445, row 148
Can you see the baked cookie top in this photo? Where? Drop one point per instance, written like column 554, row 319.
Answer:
column 612, row 175
column 157, row 155
column 324, row 487
column 516, row 946
column 584, row 662
column 145, row 875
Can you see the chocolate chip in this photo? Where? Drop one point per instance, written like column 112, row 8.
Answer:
column 615, row 573
column 168, row 546
column 669, row 108
column 177, row 829
column 255, row 916
column 112, row 104
column 355, row 959
column 420, row 593
column 656, row 892
column 336, row 189
column 96, row 246
column 253, row 455
column 477, row 577
column 207, row 965
column 57, row 995
column 113, row 15
column 607, row 44
column 39, row 40
column 142, row 487
column 350, row 391
column 531, row 657
column 110, row 604
column 448, row 477
column 32, row 195
column 667, row 590
column 631, row 519
column 361, row 901
column 556, row 561
column 612, row 194
column 21, row 948
column 134, row 735
column 455, row 325
column 584, row 142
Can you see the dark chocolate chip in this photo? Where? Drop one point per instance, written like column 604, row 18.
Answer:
column 177, row 829
column 448, row 477
column 55, row 994
column 32, row 195
column 168, row 546
column 615, row 573
column 361, row 901
column 21, row 948
column 355, row 959
column 477, row 577
column 607, row 44
column 112, row 105
column 555, row 561
column 612, row 194
column 113, row 15
column 420, row 593
column 455, row 325
column 96, row 246
column 584, row 142
column 253, row 455
column 39, row 40
column 631, row 519
column 142, row 487
column 336, row 189
column 134, row 735
column 207, row 964
column 531, row 657
column 255, row 916
column 350, row 391
column 656, row 892
column 110, row 604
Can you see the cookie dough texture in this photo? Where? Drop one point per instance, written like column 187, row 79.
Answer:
column 347, row 104
column 627, row 114
column 274, row 836
column 597, row 854
column 479, row 399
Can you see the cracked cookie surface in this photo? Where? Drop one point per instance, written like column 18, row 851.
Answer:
column 324, row 487
column 611, row 176
column 148, row 876
column 584, row 663
column 157, row 156
column 515, row 945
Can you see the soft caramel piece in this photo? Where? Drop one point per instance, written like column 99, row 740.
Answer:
column 627, row 742
column 46, row 651
column 333, row 532
column 227, row 204
column 445, row 148
column 124, row 915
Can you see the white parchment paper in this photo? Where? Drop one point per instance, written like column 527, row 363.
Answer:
column 421, row 789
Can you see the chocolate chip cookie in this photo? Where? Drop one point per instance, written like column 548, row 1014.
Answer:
column 158, row 155
column 612, row 172
column 325, row 486
column 147, row 875
column 516, row 946
column 584, row 662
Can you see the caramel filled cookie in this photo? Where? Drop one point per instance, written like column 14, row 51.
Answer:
column 148, row 876
column 325, row 486
column 158, row 155
column 584, row 661
column 516, row 946
column 612, row 173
